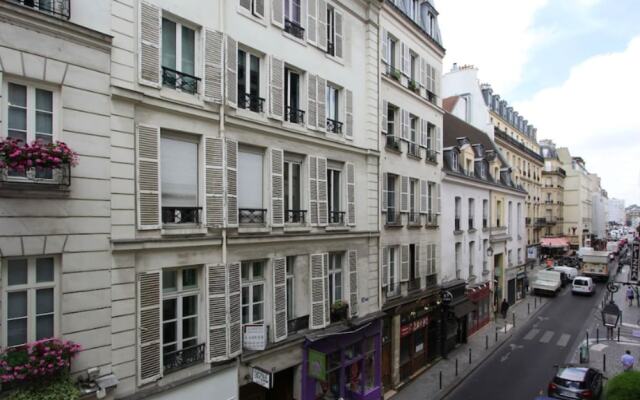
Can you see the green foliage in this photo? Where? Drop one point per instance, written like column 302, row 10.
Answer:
column 624, row 386
column 59, row 389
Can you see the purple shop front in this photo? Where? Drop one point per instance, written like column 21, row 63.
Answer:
column 344, row 365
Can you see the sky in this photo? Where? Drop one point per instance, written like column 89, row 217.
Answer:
column 571, row 67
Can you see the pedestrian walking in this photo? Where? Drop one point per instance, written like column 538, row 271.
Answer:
column 504, row 307
column 627, row 361
column 630, row 295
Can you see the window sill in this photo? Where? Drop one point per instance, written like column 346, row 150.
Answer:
column 247, row 113
column 458, row 232
column 414, row 225
column 289, row 36
column 253, row 229
column 177, row 230
column 472, row 230
column 334, row 58
column 337, row 228
column 432, row 162
column 296, row 228
column 392, row 150
column 414, row 156
column 431, row 226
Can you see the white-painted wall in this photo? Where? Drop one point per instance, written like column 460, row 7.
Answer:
column 616, row 210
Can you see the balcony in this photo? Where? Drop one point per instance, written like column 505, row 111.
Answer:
column 251, row 102
column 431, row 156
column 295, row 216
column 37, row 178
column 414, row 86
column 414, row 218
column 181, row 215
column 456, row 227
column 294, row 29
column 334, row 126
column 392, row 218
column 179, row 359
column 254, row 216
column 180, row 80
column 392, row 72
column 527, row 221
column 393, row 143
column 432, row 220
column 471, row 227
column 336, row 218
column 414, row 284
column 56, row 8
column 294, row 115
column 413, row 150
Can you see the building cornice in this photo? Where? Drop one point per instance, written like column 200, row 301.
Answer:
column 395, row 12
column 466, row 179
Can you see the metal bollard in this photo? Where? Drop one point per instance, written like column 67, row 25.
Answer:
column 469, row 355
column 514, row 320
column 618, row 334
column 528, row 308
column 440, row 379
column 604, row 362
column 496, row 336
column 597, row 335
column 456, row 367
column 486, row 341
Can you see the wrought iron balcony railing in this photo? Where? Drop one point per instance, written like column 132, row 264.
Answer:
column 176, row 360
column 251, row 215
column 293, row 28
column 334, row 126
column 413, row 150
column 527, row 221
column 336, row 217
column 251, row 102
column 456, row 226
column 181, row 215
column 431, row 156
column 392, row 72
column 414, row 284
column 180, row 80
column 414, row 218
column 56, row 8
column 432, row 220
column 295, row 216
column 392, row 218
column 393, row 143
column 294, row 115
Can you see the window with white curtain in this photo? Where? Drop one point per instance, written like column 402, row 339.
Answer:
column 250, row 176
column 179, row 170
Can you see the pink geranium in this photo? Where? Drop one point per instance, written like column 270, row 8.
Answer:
column 46, row 357
column 19, row 156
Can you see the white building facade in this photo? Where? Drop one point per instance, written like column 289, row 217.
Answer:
column 616, row 211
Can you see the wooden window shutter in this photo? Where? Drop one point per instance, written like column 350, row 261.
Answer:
column 405, row 124
column 327, row 306
column 276, row 87
column 246, row 4
column 385, row 119
column 384, row 48
column 323, row 205
column 404, row 263
column 277, row 13
column 317, row 276
column 258, row 8
column 339, row 45
column 214, row 181
column 234, row 325
column 149, row 329
column 213, row 66
column 312, row 17
column 417, row 259
column 150, row 33
column 404, row 194
column 312, row 87
column 231, row 166
column 277, row 187
column 438, row 140
column 313, row 190
column 352, row 257
column 279, row 299
column 232, row 72
column 217, row 312
column 385, row 267
column 320, row 99
column 351, row 194
column 423, row 196
column 148, row 176
column 424, row 133
column 349, row 114
column 322, row 24
column 385, row 191
column 438, row 204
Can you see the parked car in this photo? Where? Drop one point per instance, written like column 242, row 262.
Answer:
column 576, row 382
column 571, row 272
column 547, row 282
column 583, row 285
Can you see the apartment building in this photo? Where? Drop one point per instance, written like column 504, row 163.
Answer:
column 577, row 224
column 616, row 211
column 599, row 208
column 411, row 55
column 552, row 189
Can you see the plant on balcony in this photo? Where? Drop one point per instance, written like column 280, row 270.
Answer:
column 18, row 156
column 413, row 85
column 339, row 311
column 59, row 389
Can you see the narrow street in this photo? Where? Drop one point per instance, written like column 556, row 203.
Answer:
column 524, row 365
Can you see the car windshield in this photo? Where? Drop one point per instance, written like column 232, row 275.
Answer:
column 567, row 383
column 580, row 282
column 571, row 377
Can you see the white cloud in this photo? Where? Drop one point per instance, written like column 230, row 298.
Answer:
column 495, row 35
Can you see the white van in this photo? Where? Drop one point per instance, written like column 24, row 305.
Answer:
column 569, row 271
column 583, row 285
column 547, row 282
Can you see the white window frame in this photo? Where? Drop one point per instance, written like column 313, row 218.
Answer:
column 431, row 197
column 331, row 26
column 414, row 125
column 252, row 10
column 391, row 122
column 31, row 108
column 333, row 101
column 287, row 96
column 414, row 66
column 196, row 40
column 247, row 64
column 288, row 8
column 190, row 139
column 330, row 183
column 288, row 165
column 251, row 282
column 180, row 293
column 414, row 196
column 31, row 288
column 393, row 284
column 454, row 160
column 392, row 44
column 391, row 195
column 333, row 278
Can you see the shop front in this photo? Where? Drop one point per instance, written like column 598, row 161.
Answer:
column 480, row 296
column 456, row 308
column 415, row 347
column 522, row 282
column 510, row 277
column 343, row 364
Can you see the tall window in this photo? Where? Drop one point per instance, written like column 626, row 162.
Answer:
column 498, row 213
column 431, row 197
column 30, row 112
column 333, row 187
column 458, row 255
column 179, row 178
column 413, row 200
column 335, row 277
column 485, row 213
column 249, row 81
column 292, row 10
column 391, row 120
column 250, row 191
column 415, row 66
column 252, row 292
column 472, row 252
column 472, row 206
column 333, row 109
column 454, row 160
column 291, row 300
column 292, row 192
column 413, row 263
column 458, row 212
column 179, row 309
column 178, row 56
column 30, row 299
column 392, row 287
column 431, row 136
column 391, row 51
column 331, row 30
column 391, row 198
column 413, row 124
column 510, row 218
column 292, row 96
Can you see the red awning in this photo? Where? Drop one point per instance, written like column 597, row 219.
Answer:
column 554, row 243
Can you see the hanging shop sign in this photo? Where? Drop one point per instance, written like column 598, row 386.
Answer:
column 262, row 377
column 317, row 365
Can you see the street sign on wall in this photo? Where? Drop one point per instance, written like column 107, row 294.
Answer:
column 635, row 261
column 262, row 377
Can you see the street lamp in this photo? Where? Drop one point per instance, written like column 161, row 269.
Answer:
column 611, row 315
column 489, row 251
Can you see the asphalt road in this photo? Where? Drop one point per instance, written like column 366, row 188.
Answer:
column 524, row 364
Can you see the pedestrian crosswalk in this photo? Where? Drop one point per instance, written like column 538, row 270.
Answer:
column 560, row 339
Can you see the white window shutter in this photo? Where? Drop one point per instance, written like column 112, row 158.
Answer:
column 232, row 72
column 385, row 119
column 149, row 327
column 424, row 70
column 213, row 66
column 405, row 124
column 404, row 263
column 259, row 8
column 322, row 110
column 351, row 194
column 312, row 109
column 276, row 87
column 277, row 13
column 277, row 187
column 349, row 114
column 323, row 205
column 214, row 181
column 313, row 190
column 438, row 204
column 148, row 176
column 436, row 79
column 423, row 196
column 231, row 156
column 352, row 257
column 322, row 24
column 339, row 45
column 327, row 306
column 150, row 34
column 234, row 326
column 384, row 48
column 385, row 266
column 279, row 299
column 438, row 140
column 404, row 194
column 402, row 60
column 424, row 132
column 407, row 60
column 317, row 277
column 217, row 312
column 312, row 18
column 385, row 191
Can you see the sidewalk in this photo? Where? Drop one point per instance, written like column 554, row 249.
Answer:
column 480, row 346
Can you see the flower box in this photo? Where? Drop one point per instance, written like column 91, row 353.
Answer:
column 339, row 311
column 37, row 162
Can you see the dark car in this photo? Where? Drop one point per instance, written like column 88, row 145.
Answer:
column 576, row 382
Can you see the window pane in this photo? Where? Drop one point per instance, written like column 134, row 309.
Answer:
column 169, row 349
column 242, row 68
column 245, row 271
column 257, row 312
column 169, row 309
column 245, row 295
column 169, row 280
column 168, row 44
column 44, row 123
column 18, row 135
column 189, row 327
column 258, row 293
column 249, row 180
column 189, row 306
column 17, row 118
column 189, row 278
column 17, row 332
column 179, row 173
column 17, row 304
column 17, row 95
column 245, row 314
column 17, row 272
column 188, row 51
column 295, row 184
column 44, row 327
column 257, row 271
column 44, row 301
column 44, row 100
column 44, row 270
column 254, row 77
column 169, row 333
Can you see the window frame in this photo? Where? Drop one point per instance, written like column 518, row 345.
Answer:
column 332, row 187
column 332, row 101
column 290, row 286
column 251, row 282
column 414, row 122
column 332, row 276
column 288, row 9
column 179, row 294
column 414, row 196
column 288, row 70
column 331, row 28
column 392, row 44
column 178, row 136
column 392, row 113
column 391, row 196
column 288, row 183
column 248, row 54
column 393, row 286
column 454, row 160
column 31, row 88
column 180, row 23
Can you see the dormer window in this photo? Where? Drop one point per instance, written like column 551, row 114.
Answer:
column 454, row 160
column 483, row 171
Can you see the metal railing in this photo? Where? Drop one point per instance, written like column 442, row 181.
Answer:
column 251, row 102
column 414, row 284
column 294, row 115
column 331, row 48
column 393, row 142
column 42, row 177
column 431, row 155
column 414, row 218
column 180, row 80
column 293, row 28
column 251, row 215
column 181, row 215
column 295, row 216
column 456, row 226
column 527, row 221
column 334, row 126
column 413, row 150
column 179, row 359
column 432, row 220
column 392, row 72
column 393, row 218
column 56, row 8
column 336, row 217
column 470, row 223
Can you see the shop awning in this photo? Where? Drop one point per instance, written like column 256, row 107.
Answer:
column 554, row 243
column 464, row 308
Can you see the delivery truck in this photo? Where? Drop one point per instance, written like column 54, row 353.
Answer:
column 595, row 264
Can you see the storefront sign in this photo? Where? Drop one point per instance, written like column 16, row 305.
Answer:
column 317, row 365
column 255, row 337
column 262, row 377
column 635, row 261
column 413, row 326
column 532, row 253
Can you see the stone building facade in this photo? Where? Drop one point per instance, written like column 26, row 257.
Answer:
column 552, row 189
